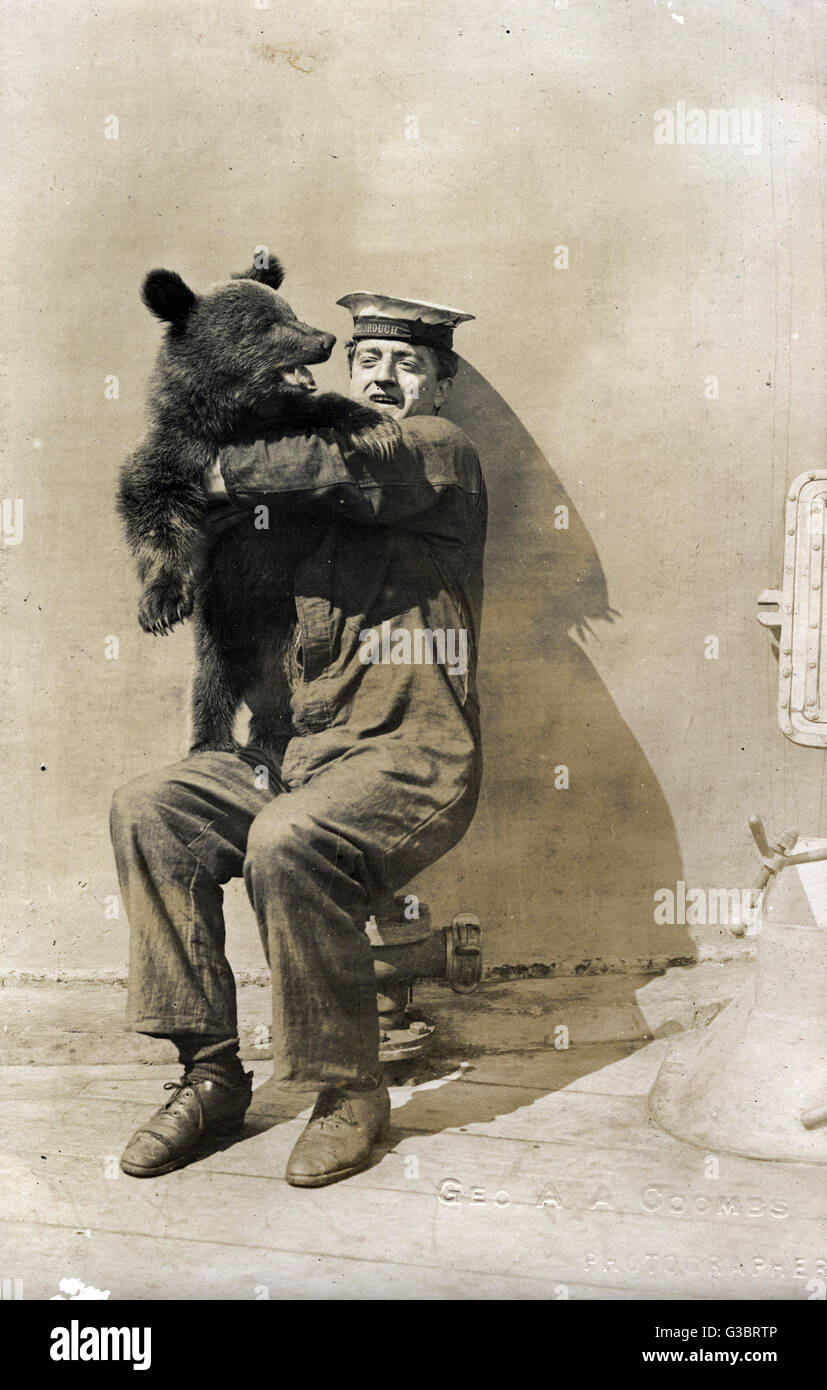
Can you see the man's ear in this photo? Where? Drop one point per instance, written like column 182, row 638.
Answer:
column 442, row 391
column 165, row 295
column 269, row 273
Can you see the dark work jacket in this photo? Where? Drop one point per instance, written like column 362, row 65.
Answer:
column 401, row 544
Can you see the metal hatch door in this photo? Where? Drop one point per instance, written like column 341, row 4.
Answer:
column 802, row 681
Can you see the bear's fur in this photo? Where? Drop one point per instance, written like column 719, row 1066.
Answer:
column 218, row 381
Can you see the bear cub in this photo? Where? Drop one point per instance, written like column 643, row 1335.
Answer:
column 222, row 377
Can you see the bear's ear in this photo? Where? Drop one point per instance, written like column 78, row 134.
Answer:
column 271, row 273
column 166, row 295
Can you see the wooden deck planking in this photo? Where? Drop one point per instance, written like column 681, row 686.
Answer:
column 752, row 1233
column 148, row 1267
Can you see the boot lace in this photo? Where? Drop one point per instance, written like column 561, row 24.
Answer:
column 332, row 1111
column 175, row 1104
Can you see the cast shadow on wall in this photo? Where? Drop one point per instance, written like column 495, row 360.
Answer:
column 558, row 875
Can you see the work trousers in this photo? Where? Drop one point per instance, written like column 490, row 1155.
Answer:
column 314, row 857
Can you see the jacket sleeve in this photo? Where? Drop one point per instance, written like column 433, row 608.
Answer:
column 431, row 483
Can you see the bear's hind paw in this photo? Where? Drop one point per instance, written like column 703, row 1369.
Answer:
column 165, row 602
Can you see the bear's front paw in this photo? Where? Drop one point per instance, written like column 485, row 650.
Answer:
column 378, row 435
column 166, row 601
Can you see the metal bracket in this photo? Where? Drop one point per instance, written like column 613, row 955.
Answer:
column 774, row 858
column 463, row 944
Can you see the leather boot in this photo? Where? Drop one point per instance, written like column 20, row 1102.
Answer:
column 196, row 1110
column 339, row 1136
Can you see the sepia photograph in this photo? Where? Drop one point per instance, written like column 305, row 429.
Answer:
column 415, row 664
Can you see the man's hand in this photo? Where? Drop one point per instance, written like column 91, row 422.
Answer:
column 214, row 482
column 221, row 514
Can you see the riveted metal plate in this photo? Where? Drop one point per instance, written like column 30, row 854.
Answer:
column 802, row 678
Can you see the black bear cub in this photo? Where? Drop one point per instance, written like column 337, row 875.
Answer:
column 220, row 378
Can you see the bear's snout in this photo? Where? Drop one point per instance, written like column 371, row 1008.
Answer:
column 326, row 342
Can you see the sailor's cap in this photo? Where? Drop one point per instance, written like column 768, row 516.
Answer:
column 412, row 321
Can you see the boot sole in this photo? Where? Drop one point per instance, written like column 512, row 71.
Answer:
column 133, row 1171
column 324, row 1179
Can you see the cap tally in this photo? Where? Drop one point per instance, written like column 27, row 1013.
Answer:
column 413, row 321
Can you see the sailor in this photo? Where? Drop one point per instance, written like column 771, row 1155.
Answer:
column 376, row 776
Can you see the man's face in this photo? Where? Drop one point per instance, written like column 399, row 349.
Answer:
column 396, row 378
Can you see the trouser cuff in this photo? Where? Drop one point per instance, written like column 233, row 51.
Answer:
column 205, row 1047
